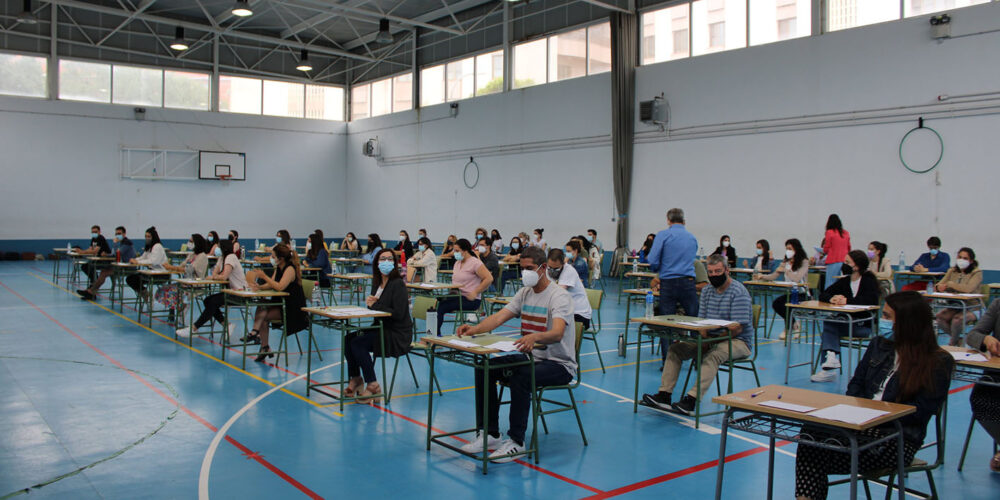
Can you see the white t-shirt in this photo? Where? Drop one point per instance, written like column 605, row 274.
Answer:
column 571, row 279
column 537, row 310
column 855, row 286
column 237, row 278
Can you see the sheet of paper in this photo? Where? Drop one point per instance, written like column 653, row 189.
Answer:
column 689, row 323
column 848, row 413
column 969, row 356
column 784, row 282
column 788, row 406
column 427, row 285
column 716, row 322
column 503, row 345
column 851, row 307
column 462, row 343
column 977, row 295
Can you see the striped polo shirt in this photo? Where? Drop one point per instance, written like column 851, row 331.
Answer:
column 734, row 304
column 537, row 310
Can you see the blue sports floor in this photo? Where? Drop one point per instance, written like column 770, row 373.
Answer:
column 93, row 405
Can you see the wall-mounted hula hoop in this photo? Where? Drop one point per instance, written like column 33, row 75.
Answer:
column 465, row 173
column 920, row 125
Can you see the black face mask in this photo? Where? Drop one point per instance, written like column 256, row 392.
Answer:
column 554, row 273
column 846, row 269
column 717, row 281
column 231, row 238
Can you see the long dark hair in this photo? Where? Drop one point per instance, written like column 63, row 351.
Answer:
column 724, row 238
column 972, row 257
column 880, row 250
column 285, row 237
column 343, row 242
column 915, row 344
column 236, row 235
column 377, row 275
column 464, row 245
column 154, row 238
column 373, row 242
column 200, row 245
column 647, row 244
column 520, row 245
column 405, row 233
column 285, row 253
column 227, row 248
column 495, row 235
column 426, row 242
column 320, row 233
column 765, row 254
column 833, row 222
column 585, row 243
column 800, row 253
column 575, row 245
column 861, row 263
column 215, row 238
column 316, row 241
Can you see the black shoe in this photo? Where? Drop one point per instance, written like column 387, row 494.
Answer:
column 252, row 339
column 85, row 295
column 685, row 405
column 265, row 352
column 660, row 400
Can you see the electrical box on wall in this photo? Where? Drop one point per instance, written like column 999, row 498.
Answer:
column 654, row 112
column 941, row 27
column 371, row 149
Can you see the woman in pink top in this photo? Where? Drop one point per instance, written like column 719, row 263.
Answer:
column 836, row 244
column 471, row 276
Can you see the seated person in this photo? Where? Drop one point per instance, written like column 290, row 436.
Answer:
column 858, row 287
column 763, row 262
column 317, row 256
column 965, row 277
column 908, row 369
column 932, row 261
column 794, row 268
column 724, row 249
column 985, row 400
column 565, row 276
column 350, row 242
column 484, row 250
column 99, row 248
column 575, row 258
column 647, row 245
column 728, row 300
column 125, row 252
column 546, row 312
column 424, row 259
column 473, row 279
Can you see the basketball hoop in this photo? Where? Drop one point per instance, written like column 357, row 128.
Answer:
column 225, row 178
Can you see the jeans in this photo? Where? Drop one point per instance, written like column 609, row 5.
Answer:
column 358, row 357
column 582, row 320
column 832, row 271
column 833, row 332
column 452, row 304
column 711, row 358
column 518, row 378
column 674, row 291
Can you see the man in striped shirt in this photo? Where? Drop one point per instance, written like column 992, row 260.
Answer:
column 725, row 299
column 546, row 312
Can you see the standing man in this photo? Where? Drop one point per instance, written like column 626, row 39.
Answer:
column 672, row 258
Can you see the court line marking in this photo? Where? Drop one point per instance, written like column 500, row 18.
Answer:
column 259, row 459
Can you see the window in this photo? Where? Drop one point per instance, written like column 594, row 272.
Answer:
column 185, row 90
column 134, row 85
column 432, row 86
column 598, row 49
column 381, row 97
column 324, row 102
column 843, row 14
column 489, row 73
column 529, row 63
column 402, row 92
column 568, row 55
column 718, row 25
column 359, row 102
column 23, row 75
column 461, row 78
column 84, row 81
column 774, row 20
column 920, row 7
column 665, row 34
column 284, row 99
column 239, row 95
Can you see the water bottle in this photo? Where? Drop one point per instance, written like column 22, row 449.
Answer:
column 68, row 247
column 432, row 321
column 930, row 287
column 256, row 243
column 621, row 345
column 635, row 265
column 649, row 304
column 902, row 261
column 701, row 252
column 402, row 266
column 795, row 295
column 315, row 294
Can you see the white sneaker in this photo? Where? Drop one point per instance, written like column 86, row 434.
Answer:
column 832, row 362
column 184, row 332
column 476, row 445
column 782, row 336
column 824, row 376
column 506, row 453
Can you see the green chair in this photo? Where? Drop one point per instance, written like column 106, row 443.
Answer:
column 596, row 298
column 307, row 288
column 419, row 311
column 747, row 363
column 561, row 406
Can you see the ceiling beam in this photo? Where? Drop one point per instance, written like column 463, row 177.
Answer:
column 368, row 15
column 318, row 49
column 603, row 5
column 425, row 18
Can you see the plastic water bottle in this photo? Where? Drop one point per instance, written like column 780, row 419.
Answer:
column 795, row 295
column 649, row 304
column 432, row 321
column 701, row 252
column 902, row 261
column 256, row 243
column 930, row 287
column 68, row 247
column 635, row 265
column 402, row 266
column 621, row 345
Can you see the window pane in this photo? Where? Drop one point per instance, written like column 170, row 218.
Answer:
column 568, row 55
column 402, row 92
column 489, row 73
column 84, row 81
column 599, row 43
column 381, row 97
column 132, row 85
column 843, row 14
column 774, row 20
column 239, row 95
column 718, row 25
column 529, row 63
column 461, row 75
column 185, row 90
column 359, row 102
column 665, row 34
column 918, row 7
column 432, row 86
column 284, row 99
column 23, row 75
column 324, row 103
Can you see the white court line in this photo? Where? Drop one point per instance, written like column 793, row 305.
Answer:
column 206, row 463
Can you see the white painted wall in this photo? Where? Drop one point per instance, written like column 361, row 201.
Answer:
column 61, row 172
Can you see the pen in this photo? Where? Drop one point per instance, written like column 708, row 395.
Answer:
column 758, row 393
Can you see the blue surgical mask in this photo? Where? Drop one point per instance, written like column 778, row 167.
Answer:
column 277, row 239
column 760, row 251
column 885, row 327
column 385, row 267
column 211, row 238
column 515, row 245
column 94, row 235
column 591, row 238
column 274, row 262
column 422, row 247
column 118, row 237
column 479, row 236
column 459, row 256
column 934, row 251
column 218, row 252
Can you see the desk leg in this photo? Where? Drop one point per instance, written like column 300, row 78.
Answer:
column 225, row 328
column 309, row 359
column 719, row 469
column 381, row 339
column 854, row 464
column 770, row 462
column 430, row 394
column 697, row 391
column 899, row 459
column 343, row 349
column 638, row 357
column 628, row 312
column 486, row 409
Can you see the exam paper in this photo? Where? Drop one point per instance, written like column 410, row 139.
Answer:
column 969, row 356
column 848, row 413
column 716, row 322
column 503, row 345
column 788, row 406
column 852, row 307
column 462, row 343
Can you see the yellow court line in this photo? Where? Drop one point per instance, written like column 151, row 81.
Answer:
column 618, row 366
column 209, row 356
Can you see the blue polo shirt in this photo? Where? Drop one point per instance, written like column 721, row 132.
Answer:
column 673, row 253
column 938, row 264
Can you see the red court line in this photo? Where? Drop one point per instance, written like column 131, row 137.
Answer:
column 195, row 416
column 960, row 389
column 683, row 472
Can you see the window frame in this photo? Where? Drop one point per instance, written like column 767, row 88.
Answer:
column 48, row 77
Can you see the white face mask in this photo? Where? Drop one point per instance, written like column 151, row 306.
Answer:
column 725, row 243
column 529, row 278
column 962, row 264
column 309, row 245
column 789, row 253
column 402, row 237
column 274, row 262
column 482, row 249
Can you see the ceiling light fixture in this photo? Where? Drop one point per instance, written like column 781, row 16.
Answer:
column 179, row 44
column 27, row 16
column 242, row 9
column 304, row 64
column 383, row 32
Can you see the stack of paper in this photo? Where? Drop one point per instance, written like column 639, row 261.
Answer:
column 848, row 413
column 503, row 345
column 427, row 285
column 852, row 307
column 348, row 311
column 462, row 343
column 969, row 356
column 788, row 406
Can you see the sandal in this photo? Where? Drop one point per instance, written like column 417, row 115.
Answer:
column 367, row 396
column 251, row 339
column 352, row 387
column 995, row 463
